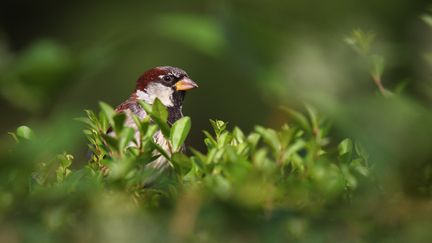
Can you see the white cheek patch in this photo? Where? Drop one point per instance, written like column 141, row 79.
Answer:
column 153, row 91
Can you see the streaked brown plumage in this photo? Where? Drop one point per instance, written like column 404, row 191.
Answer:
column 169, row 85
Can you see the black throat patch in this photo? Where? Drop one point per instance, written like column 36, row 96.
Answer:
column 175, row 112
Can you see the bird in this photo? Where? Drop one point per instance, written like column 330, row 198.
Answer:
column 169, row 85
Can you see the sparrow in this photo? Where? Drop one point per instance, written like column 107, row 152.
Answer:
column 169, row 85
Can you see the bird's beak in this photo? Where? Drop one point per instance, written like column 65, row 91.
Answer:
column 185, row 84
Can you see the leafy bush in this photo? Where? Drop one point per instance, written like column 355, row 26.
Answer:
column 236, row 166
column 296, row 170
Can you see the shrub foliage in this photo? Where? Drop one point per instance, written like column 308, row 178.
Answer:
column 262, row 176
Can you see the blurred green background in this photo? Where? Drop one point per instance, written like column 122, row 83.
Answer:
column 249, row 58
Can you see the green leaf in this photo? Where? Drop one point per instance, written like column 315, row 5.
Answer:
column 91, row 115
column 350, row 179
column 162, row 151
column 200, row 165
column 238, row 134
column 108, row 112
column 299, row 118
column 159, row 114
column 285, row 135
column 24, row 132
column 119, row 120
column 65, row 159
column 361, row 41
column 138, row 122
column 224, row 139
column 143, row 125
column 85, row 120
column 146, row 158
column 359, row 166
column 126, row 137
column 179, row 132
column 218, row 126
column 345, row 149
column 199, row 155
column 294, row 148
column 182, row 163
column 345, row 146
column 253, row 139
column 209, row 140
column 163, row 126
column 120, row 168
column 112, row 142
column 159, row 110
column 270, row 137
column 103, row 123
column 152, row 129
column 147, row 107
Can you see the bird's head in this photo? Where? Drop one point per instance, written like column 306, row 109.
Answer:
column 166, row 83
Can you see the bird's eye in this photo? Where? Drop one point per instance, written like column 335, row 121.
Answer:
column 168, row 78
